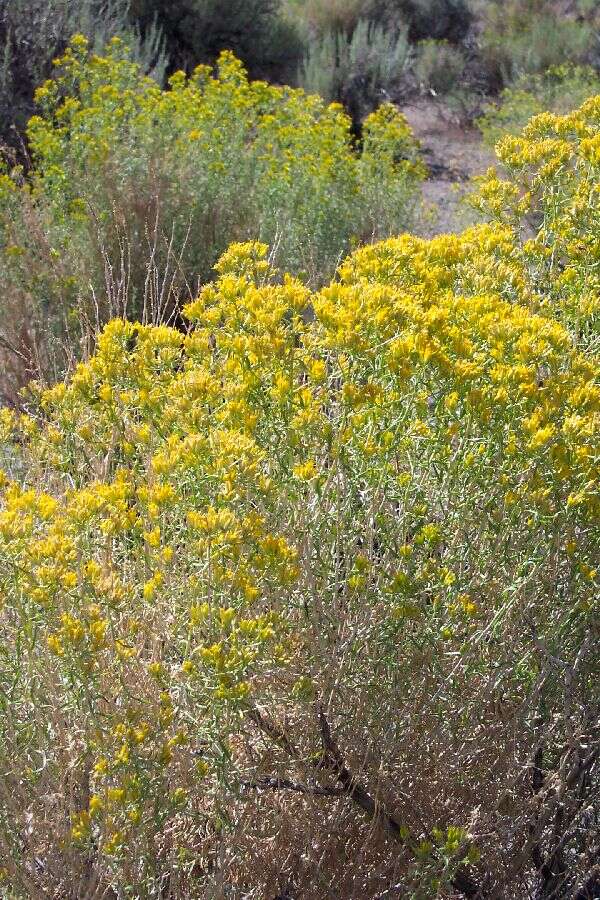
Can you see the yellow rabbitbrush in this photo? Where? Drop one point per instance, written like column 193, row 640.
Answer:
column 134, row 192
column 296, row 581
column 547, row 197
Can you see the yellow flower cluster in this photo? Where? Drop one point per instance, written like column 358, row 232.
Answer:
column 102, row 126
column 549, row 200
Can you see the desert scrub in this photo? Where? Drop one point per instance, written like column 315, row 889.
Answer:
column 438, row 19
column 559, row 90
column 307, row 577
column 135, row 191
column 439, row 66
column 546, row 194
column 520, row 37
column 355, row 67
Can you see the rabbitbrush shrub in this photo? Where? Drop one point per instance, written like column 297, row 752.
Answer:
column 135, row 191
column 303, row 601
column 547, row 195
column 34, row 32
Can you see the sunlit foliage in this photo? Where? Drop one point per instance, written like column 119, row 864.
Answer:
column 299, row 571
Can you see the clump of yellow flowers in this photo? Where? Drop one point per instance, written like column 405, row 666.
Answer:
column 157, row 183
column 547, row 197
column 342, row 495
column 331, row 542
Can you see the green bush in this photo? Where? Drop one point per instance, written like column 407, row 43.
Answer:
column 136, row 191
column 527, row 36
column 435, row 19
column 355, row 69
column 196, row 31
column 34, row 32
column 439, row 66
column 558, row 90
column 323, row 16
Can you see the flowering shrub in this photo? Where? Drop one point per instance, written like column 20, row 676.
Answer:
column 34, row 32
column 303, row 598
column 548, row 201
column 136, row 191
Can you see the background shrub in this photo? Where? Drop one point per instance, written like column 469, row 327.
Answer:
column 34, row 32
column 324, row 16
column 136, row 191
column 439, row 66
column 559, row 90
column 435, row 19
column 358, row 69
column 527, row 36
column 196, row 31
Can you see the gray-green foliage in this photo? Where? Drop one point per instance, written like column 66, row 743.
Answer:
column 527, row 36
column 559, row 90
column 439, row 66
column 34, row 32
column 196, row 31
column 436, row 19
column 357, row 69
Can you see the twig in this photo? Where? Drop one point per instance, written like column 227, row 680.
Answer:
column 332, row 761
column 284, row 784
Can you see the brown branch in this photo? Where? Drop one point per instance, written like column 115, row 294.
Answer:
column 272, row 730
column 279, row 784
column 332, row 761
column 541, row 807
column 4, row 342
column 537, row 782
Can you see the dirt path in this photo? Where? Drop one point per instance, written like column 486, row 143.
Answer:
column 453, row 154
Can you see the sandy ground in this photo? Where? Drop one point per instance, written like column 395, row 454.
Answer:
column 453, row 154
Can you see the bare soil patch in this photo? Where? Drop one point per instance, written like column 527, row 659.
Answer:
column 454, row 153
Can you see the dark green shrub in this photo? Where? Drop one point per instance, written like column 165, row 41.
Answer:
column 436, row 19
column 196, row 31
column 323, row 16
